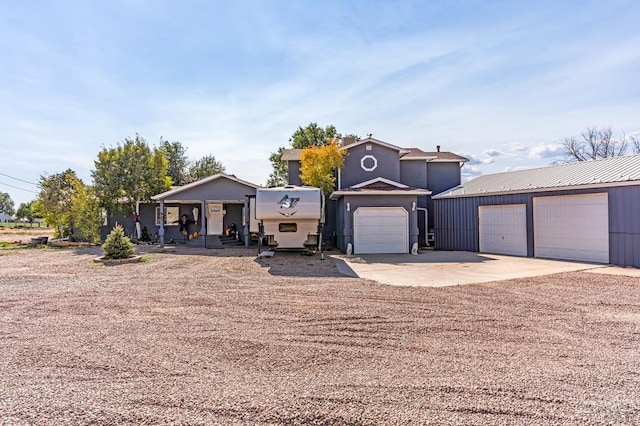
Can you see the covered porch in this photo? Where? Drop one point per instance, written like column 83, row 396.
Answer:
column 211, row 213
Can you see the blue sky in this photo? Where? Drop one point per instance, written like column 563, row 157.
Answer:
column 501, row 82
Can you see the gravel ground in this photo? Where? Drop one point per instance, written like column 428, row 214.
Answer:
column 219, row 337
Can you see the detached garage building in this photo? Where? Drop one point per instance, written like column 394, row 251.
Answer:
column 585, row 211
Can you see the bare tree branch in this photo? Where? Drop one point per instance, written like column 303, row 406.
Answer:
column 596, row 143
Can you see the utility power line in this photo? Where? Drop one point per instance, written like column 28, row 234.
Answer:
column 15, row 178
column 21, row 189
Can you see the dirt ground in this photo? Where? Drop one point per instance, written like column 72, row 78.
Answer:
column 23, row 234
column 220, row 337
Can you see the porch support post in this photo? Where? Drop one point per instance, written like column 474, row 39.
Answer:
column 161, row 230
column 203, row 227
column 247, row 217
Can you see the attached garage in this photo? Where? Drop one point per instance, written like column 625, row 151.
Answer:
column 503, row 229
column 572, row 227
column 586, row 211
column 380, row 230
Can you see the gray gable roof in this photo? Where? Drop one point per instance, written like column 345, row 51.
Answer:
column 585, row 174
column 179, row 189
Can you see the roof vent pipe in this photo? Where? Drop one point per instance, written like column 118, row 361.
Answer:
column 438, row 148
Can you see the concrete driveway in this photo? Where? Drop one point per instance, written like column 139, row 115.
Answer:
column 445, row 268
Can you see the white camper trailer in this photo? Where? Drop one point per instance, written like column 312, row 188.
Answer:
column 291, row 217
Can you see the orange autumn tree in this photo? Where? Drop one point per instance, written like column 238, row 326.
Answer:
column 319, row 163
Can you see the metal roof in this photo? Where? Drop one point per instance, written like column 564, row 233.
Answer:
column 584, row 174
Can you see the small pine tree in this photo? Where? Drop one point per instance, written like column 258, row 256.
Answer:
column 117, row 245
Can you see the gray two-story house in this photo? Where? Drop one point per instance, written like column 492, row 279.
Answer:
column 382, row 200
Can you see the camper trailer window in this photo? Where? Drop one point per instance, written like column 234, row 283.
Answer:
column 288, row 227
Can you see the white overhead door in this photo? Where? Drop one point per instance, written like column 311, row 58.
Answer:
column 503, row 229
column 380, row 230
column 572, row 227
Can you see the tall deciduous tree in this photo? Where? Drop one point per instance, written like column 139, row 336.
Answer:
column 313, row 135
column 319, row 163
column 177, row 161
column 26, row 212
column 129, row 173
column 6, row 204
column 55, row 199
column 280, row 173
column 205, row 167
column 303, row 137
column 86, row 214
column 595, row 143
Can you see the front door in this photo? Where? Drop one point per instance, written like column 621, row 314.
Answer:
column 215, row 215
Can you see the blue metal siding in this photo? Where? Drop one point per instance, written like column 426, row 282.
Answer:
column 624, row 226
column 456, row 221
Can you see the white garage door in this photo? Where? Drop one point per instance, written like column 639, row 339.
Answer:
column 380, row 230
column 572, row 227
column 503, row 229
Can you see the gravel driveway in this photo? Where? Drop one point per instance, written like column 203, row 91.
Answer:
column 218, row 337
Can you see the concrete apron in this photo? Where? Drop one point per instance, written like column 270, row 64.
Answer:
column 448, row 268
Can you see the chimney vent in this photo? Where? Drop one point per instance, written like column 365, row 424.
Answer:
column 438, row 148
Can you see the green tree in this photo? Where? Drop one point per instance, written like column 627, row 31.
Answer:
column 280, row 174
column 205, row 167
column 313, row 135
column 86, row 214
column 129, row 173
column 25, row 211
column 303, row 137
column 319, row 163
column 117, row 245
column 54, row 200
column 6, row 204
column 177, row 161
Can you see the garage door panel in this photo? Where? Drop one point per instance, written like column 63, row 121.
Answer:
column 381, row 230
column 572, row 227
column 503, row 229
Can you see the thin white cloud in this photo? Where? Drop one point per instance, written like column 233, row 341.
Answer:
column 546, row 150
column 517, row 147
column 492, row 152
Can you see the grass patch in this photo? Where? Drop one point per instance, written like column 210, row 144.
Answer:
column 144, row 259
column 6, row 245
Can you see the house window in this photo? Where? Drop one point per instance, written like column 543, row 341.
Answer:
column 368, row 147
column 288, row 227
column 172, row 215
column 368, row 163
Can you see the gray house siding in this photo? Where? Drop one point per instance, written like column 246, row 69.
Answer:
column 345, row 232
column 294, row 173
column 456, row 221
column 388, row 165
column 414, row 173
column 339, row 225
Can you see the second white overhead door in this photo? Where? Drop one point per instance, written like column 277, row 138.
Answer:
column 572, row 227
column 503, row 229
column 380, row 230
